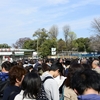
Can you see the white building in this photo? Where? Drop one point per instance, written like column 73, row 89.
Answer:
column 14, row 54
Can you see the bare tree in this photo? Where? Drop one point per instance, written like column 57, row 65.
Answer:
column 72, row 37
column 66, row 30
column 95, row 40
column 53, row 32
column 19, row 43
column 95, row 43
column 96, row 26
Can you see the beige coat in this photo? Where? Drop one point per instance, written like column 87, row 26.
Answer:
column 69, row 94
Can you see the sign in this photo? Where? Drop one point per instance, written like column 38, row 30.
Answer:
column 53, row 51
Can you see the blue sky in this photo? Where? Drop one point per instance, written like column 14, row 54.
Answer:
column 21, row 18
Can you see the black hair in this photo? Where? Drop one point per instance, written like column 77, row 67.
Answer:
column 67, row 62
column 56, row 66
column 34, row 71
column 71, row 70
column 86, row 66
column 7, row 65
column 28, row 68
column 31, row 85
column 14, row 63
column 45, row 67
column 58, row 60
column 85, row 79
column 46, row 60
column 26, row 61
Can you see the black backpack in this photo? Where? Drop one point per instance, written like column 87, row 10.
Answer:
column 3, row 85
column 42, row 94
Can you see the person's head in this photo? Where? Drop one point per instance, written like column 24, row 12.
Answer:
column 84, row 80
column 20, row 63
column 48, row 62
column 31, row 85
column 84, row 61
column 26, row 61
column 40, row 61
column 14, row 63
column 29, row 68
column 67, row 62
column 60, row 60
column 16, row 75
column 86, row 66
column 71, row 70
column 57, row 69
column 95, row 64
column 45, row 67
column 34, row 71
column 6, row 66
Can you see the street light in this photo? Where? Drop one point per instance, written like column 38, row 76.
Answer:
column 37, row 48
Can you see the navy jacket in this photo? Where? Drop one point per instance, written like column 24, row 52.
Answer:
column 89, row 97
column 12, row 91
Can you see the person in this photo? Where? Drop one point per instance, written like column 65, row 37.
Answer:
column 31, row 86
column 84, row 61
column 50, row 85
column 45, row 67
column 16, row 75
column 68, row 92
column 86, row 83
column 26, row 63
column 95, row 65
column 6, row 66
column 60, row 60
column 60, row 79
column 4, row 76
column 38, row 63
column 29, row 68
column 20, row 63
column 48, row 62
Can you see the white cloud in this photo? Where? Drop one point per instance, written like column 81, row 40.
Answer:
column 23, row 11
column 21, row 18
column 81, row 23
column 84, row 3
column 57, row 1
column 4, row 3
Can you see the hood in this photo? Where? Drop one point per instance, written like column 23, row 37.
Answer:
column 44, row 75
column 89, row 97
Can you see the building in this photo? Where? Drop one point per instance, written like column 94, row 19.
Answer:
column 11, row 54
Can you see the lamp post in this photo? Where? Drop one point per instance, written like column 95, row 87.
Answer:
column 37, row 47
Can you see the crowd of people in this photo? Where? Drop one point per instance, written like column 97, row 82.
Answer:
column 62, row 79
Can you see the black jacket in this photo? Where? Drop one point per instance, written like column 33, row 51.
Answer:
column 10, row 92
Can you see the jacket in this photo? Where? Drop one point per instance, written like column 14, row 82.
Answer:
column 50, row 86
column 89, row 97
column 69, row 94
column 8, row 92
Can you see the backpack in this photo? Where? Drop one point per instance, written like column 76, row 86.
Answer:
column 42, row 94
column 3, row 85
